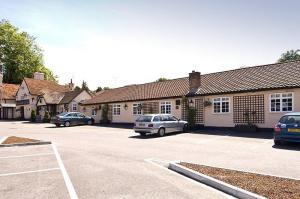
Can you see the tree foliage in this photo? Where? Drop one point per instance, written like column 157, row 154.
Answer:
column 20, row 55
column 290, row 55
column 84, row 86
column 161, row 79
column 98, row 89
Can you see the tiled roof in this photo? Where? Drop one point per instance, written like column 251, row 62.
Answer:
column 169, row 88
column 272, row 76
column 9, row 91
column 69, row 96
column 36, row 87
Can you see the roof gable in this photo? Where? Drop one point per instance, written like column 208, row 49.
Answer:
column 9, row 91
column 36, row 87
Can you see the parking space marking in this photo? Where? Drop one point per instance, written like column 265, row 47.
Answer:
column 152, row 161
column 3, row 139
column 26, row 172
column 66, row 177
column 24, row 156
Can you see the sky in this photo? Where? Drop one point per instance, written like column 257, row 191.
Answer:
column 117, row 43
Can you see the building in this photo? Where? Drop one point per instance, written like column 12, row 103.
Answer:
column 58, row 102
column 33, row 89
column 259, row 95
column 8, row 100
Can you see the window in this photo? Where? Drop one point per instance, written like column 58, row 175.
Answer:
column 156, row 119
column 165, row 107
column 94, row 112
column 74, row 107
column 221, row 105
column 116, row 109
column 137, row 109
column 281, row 102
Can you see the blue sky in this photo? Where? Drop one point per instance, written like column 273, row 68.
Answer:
column 115, row 43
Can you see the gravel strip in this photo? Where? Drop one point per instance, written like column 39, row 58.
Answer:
column 17, row 140
column 267, row 186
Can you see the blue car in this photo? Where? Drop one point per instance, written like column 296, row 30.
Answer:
column 71, row 118
column 288, row 128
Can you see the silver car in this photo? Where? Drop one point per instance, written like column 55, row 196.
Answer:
column 159, row 123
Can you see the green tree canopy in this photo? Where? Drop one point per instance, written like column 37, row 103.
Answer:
column 20, row 55
column 84, row 86
column 290, row 55
column 161, row 79
column 98, row 89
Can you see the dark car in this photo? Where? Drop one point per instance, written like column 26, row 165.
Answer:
column 71, row 118
column 287, row 129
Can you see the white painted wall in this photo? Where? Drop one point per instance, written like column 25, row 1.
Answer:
column 32, row 100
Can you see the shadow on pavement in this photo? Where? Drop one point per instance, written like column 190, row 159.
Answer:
column 259, row 134
column 293, row 146
column 153, row 136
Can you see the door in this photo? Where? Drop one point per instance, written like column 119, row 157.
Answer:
column 167, row 123
column 22, row 112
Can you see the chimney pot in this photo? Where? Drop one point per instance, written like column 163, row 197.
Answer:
column 38, row 75
column 194, row 81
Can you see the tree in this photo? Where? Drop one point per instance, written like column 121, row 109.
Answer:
column 161, row 79
column 84, row 86
column 98, row 89
column 77, row 88
column 290, row 55
column 20, row 55
column 106, row 88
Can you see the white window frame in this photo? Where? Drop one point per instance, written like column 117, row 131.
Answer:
column 135, row 109
column 73, row 106
column 221, row 100
column 94, row 112
column 280, row 97
column 116, row 109
column 165, row 104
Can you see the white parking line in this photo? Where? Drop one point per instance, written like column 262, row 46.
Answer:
column 151, row 161
column 66, row 177
column 25, row 172
column 24, row 156
column 3, row 139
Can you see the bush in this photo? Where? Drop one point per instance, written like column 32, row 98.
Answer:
column 246, row 127
column 33, row 116
column 46, row 118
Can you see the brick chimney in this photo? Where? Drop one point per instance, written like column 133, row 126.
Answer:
column 38, row 75
column 194, row 81
column 71, row 85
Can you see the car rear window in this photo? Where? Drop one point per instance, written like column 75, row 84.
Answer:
column 63, row 114
column 144, row 119
column 290, row 119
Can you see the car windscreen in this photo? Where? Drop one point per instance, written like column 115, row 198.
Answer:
column 144, row 119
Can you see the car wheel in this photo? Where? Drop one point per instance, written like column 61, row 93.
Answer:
column 57, row 125
column 90, row 122
column 67, row 124
column 161, row 132
column 185, row 128
column 143, row 134
column 277, row 142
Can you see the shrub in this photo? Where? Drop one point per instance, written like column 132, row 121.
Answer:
column 33, row 116
column 46, row 118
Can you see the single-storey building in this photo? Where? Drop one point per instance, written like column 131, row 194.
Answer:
column 8, row 100
column 258, row 95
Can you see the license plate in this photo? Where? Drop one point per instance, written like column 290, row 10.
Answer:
column 141, row 124
column 294, row 130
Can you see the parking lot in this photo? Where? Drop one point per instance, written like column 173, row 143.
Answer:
column 107, row 162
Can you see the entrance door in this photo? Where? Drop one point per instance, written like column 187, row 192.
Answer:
column 22, row 112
